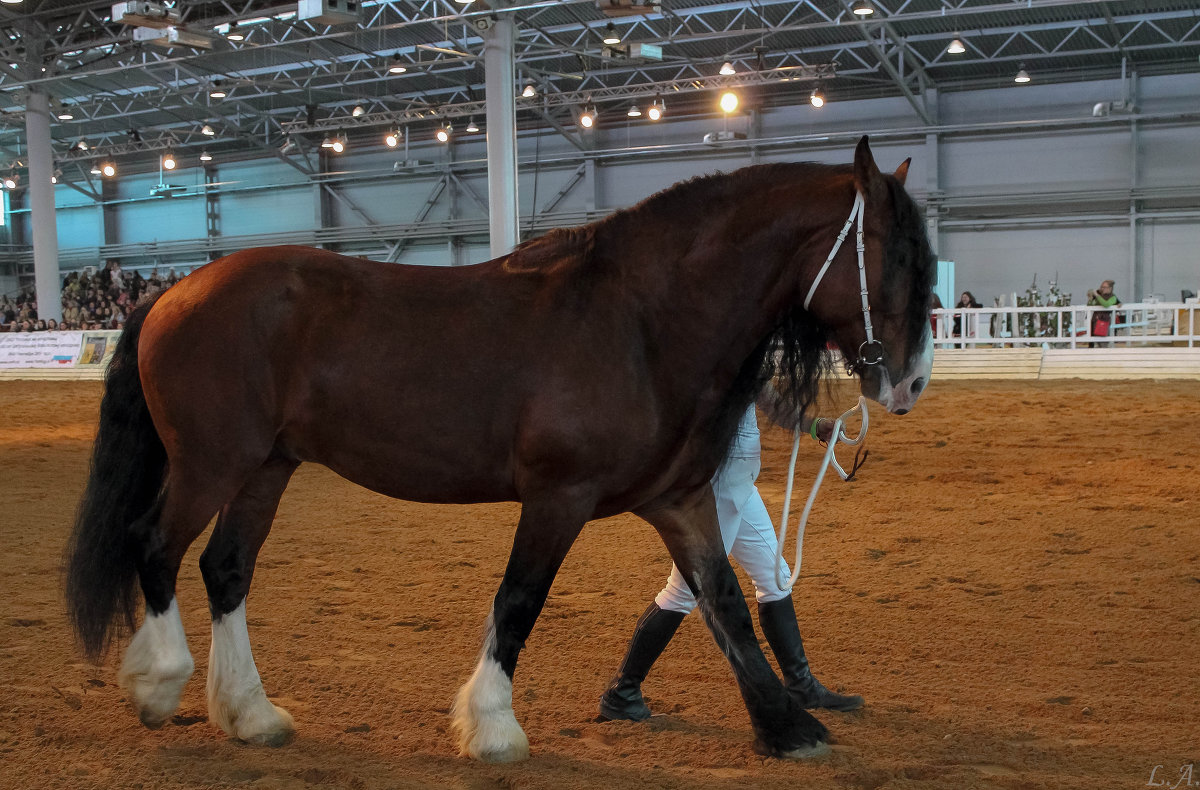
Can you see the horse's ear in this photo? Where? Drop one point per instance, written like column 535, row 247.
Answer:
column 867, row 177
column 902, row 171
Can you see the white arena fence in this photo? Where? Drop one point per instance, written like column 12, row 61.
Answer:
column 1139, row 324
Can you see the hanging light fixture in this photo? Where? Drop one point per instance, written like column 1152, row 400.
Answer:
column 472, row 127
column 10, row 181
column 217, row 91
column 168, row 161
column 1022, row 75
column 358, row 111
column 587, row 117
column 397, row 66
column 727, row 69
column 634, row 111
column 863, row 8
column 64, row 113
column 611, row 38
column 205, row 156
column 529, row 91
column 657, row 108
column 207, row 130
column 443, row 134
column 339, row 144
column 816, row 98
column 95, row 169
column 327, row 142
column 235, row 33
column 957, row 47
column 729, row 102
column 108, row 169
column 392, row 138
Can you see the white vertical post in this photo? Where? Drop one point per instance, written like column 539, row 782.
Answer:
column 41, row 206
column 500, row 80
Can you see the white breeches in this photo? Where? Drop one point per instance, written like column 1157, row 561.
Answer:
column 747, row 532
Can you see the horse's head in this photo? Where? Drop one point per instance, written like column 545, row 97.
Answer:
column 890, row 347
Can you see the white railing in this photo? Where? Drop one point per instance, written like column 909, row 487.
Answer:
column 1143, row 323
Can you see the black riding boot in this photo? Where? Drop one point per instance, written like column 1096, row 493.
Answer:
column 778, row 621
column 623, row 699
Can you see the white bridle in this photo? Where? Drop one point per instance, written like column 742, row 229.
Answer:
column 858, row 211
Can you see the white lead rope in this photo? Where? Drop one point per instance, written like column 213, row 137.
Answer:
column 839, row 437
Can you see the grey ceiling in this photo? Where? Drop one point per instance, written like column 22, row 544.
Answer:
column 291, row 77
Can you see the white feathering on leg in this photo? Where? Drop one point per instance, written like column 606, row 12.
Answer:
column 482, row 713
column 156, row 666
column 236, row 700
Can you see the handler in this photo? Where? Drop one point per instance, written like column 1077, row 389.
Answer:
column 749, row 535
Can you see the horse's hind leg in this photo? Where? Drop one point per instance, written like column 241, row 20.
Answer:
column 236, row 700
column 157, row 663
column 482, row 712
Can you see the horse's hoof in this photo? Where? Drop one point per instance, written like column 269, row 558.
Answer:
column 265, row 725
column 150, row 721
column 511, row 754
column 806, row 752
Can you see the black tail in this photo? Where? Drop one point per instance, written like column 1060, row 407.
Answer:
column 126, row 478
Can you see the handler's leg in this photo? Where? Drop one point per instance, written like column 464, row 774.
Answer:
column 754, row 549
column 781, row 727
column 482, row 712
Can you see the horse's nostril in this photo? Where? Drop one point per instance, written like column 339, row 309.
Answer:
column 900, row 411
column 918, row 385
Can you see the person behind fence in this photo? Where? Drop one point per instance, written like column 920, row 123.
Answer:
column 1103, row 297
column 749, row 535
column 966, row 300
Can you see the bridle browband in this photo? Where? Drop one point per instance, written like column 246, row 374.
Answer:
column 870, row 352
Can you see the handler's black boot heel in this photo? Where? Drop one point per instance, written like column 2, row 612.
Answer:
column 623, row 699
column 778, row 621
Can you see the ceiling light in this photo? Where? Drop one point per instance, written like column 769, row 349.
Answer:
column 392, row 138
column 530, row 90
column 327, row 142
column 472, row 126
column 956, row 47
column 863, row 8
column 463, row 2
column 339, row 144
column 217, row 91
column 168, row 161
column 358, row 111
column 207, row 130
column 81, row 145
column 10, row 182
column 108, row 169
column 610, row 35
column 54, row 178
column 205, row 156
column 234, row 33
column 657, row 108
column 1022, row 75
column 11, row 2
column 587, row 117
column 65, row 114
column 634, row 112
column 95, row 169
column 729, row 101
column 817, row 98
column 397, row 65
column 443, row 134
column 727, row 68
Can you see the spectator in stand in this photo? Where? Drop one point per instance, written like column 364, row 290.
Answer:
column 935, row 303
column 51, row 325
column 1102, row 319
column 966, row 300
column 71, row 312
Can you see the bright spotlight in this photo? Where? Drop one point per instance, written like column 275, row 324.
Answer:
column 729, row 101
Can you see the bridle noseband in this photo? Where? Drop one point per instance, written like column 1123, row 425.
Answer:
column 870, row 352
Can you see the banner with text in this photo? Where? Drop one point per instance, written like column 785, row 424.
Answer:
column 56, row 349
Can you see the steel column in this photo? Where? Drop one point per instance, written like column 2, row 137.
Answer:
column 41, row 206
column 500, row 80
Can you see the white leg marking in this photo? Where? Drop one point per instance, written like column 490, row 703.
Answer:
column 236, row 700
column 156, row 666
column 482, row 713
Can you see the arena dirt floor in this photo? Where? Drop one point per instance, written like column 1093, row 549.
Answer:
column 1012, row 584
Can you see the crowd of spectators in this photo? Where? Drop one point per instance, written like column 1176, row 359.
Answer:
column 90, row 300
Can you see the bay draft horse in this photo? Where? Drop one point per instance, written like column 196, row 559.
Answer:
column 590, row 372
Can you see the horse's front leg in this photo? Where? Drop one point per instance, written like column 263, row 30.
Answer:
column 482, row 712
column 781, row 727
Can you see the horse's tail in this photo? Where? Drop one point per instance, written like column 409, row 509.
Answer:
column 126, row 478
